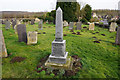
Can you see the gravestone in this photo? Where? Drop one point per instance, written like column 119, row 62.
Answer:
column 22, row 35
column 118, row 36
column 75, row 23
column 13, row 24
column 37, row 20
column 32, row 21
column 3, row 50
column 0, row 21
column 65, row 23
column 71, row 24
column 40, row 25
column 119, row 9
column 79, row 25
column 47, row 22
column 32, row 37
column 91, row 26
column 119, row 5
column 59, row 56
column 15, row 27
column 7, row 23
column 113, row 27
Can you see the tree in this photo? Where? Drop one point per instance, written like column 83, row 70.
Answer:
column 70, row 10
column 87, row 12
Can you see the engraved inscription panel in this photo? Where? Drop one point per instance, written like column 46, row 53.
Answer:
column 58, row 49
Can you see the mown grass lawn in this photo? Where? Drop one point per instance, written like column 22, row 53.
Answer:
column 99, row 60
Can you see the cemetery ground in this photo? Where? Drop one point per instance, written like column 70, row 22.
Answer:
column 96, row 49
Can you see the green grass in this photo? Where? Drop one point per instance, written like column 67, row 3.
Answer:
column 99, row 60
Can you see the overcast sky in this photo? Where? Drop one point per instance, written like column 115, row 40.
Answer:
column 48, row 5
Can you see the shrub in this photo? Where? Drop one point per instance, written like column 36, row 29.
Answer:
column 94, row 20
column 84, row 20
column 39, row 69
column 118, row 21
column 52, row 75
column 26, row 20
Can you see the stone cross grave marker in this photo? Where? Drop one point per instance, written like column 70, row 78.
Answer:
column 22, row 35
column 32, row 37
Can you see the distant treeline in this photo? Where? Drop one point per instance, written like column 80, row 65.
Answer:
column 20, row 14
column 106, row 12
column 23, row 14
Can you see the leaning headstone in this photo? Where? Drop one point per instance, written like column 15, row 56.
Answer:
column 71, row 24
column 32, row 37
column 113, row 27
column 59, row 56
column 32, row 21
column 7, row 23
column 3, row 50
column 22, row 35
column 91, row 26
column 79, row 25
column 13, row 24
column 40, row 25
column 118, row 36
column 65, row 23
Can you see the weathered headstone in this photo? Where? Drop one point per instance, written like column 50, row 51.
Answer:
column 40, row 25
column 32, row 37
column 71, row 24
column 37, row 20
column 15, row 27
column 59, row 56
column 119, row 5
column 118, row 36
column 75, row 23
column 91, row 26
column 13, row 24
column 119, row 9
column 32, row 21
column 0, row 21
column 7, row 23
column 113, row 27
column 79, row 25
column 65, row 23
column 22, row 35
column 3, row 50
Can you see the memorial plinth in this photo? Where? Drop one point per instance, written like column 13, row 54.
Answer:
column 59, row 57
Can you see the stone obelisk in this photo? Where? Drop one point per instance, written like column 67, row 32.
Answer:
column 59, row 56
